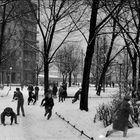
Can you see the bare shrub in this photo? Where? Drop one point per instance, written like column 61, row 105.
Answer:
column 105, row 112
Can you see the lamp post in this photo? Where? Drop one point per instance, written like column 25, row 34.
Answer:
column 10, row 76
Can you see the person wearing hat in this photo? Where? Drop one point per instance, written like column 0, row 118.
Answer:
column 120, row 122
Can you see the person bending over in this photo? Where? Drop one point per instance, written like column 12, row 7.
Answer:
column 8, row 111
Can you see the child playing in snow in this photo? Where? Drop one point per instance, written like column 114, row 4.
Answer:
column 76, row 96
column 48, row 103
column 8, row 111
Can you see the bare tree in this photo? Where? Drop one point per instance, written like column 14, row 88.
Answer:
column 99, row 57
column 38, row 70
column 108, row 55
column 93, row 31
column 53, row 19
column 131, row 33
column 68, row 61
column 5, row 16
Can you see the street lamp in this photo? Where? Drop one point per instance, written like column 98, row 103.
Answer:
column 10, row 76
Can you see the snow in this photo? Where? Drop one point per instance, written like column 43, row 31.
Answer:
column 34, row 126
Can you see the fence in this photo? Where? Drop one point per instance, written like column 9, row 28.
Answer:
column 68, row 122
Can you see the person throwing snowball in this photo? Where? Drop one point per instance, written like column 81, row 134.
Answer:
column 20, row 101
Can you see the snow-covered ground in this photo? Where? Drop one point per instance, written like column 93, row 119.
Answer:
column 34, row 126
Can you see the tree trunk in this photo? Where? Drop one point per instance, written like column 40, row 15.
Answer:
column 134, row 75
column 2, row 30
column 102, row 79
column 46, row 77
column 137, row 40
column 107, row 61
column 138, row 80
column 63, row 78
column 46, row 68
column 69, row 79
column 75, row 79
column 88, row 58
column 37, row 75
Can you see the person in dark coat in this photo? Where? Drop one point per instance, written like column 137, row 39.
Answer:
column 65, row 90
column 76, row 96
column 48, row 103
column 20, row 101
column 36, row 92
column 120, row 122
column 31, row 95
column 54, row 90
column 61, row 94
column 8, row 111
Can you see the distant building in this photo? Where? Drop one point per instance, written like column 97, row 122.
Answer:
column 55, row 76
column 20, row 65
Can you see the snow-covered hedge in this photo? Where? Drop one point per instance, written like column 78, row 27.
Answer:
column 105, row 112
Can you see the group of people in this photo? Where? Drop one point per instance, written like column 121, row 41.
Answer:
column 120, row 119
column 62, row 92
column 47, row 102
column 8, row 111
column 32, row 96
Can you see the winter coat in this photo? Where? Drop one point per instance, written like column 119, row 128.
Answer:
column 18, row 96
column 77, row 94
column 31, row 94
column 30, row 88
column 65, row 90
column 122, row 115
column 36, row 89
column 61, row 90
column 8, row 111
column 54, row 90
column 47, row 102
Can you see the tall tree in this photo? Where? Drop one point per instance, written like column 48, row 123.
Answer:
column 53, row 19
column 94, row 29
column 6, row 13
column 114, row 34
column 68, row 60
column 132, row 32
column 88, row 57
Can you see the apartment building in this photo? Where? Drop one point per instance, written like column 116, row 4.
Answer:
column 19, row 66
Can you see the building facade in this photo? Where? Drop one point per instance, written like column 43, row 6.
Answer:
column 20, row 65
